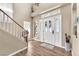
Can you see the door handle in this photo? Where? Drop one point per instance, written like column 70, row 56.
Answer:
column 52, row 31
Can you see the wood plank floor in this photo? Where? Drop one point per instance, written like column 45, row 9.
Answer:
column 35, row 49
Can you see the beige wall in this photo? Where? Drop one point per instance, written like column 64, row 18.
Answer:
column 9, row 43
column 66, row 21
column 78, row 9
column 75, row 42
column 66, row 18
column 22, row 12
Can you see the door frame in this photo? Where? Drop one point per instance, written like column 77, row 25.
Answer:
column 60, row 29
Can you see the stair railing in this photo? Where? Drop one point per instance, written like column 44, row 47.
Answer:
column 8, row 24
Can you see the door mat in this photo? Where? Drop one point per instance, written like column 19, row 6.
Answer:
column 47, row 45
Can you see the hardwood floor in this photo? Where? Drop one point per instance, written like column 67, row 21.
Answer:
column 35, row 49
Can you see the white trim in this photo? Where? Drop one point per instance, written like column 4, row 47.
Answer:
column 17, row 51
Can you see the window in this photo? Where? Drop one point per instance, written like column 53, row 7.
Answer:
column 7, row 8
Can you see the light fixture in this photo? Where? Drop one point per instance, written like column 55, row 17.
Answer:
column 37, row 4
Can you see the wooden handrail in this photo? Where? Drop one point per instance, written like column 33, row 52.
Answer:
column 11, row 18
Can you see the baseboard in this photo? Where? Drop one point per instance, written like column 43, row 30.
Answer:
column 17, row 51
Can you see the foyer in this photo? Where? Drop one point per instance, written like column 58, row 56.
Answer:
column 47, row 25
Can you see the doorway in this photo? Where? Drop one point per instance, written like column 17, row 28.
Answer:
column 50, row 30
column 27, row 27
column 58, row 30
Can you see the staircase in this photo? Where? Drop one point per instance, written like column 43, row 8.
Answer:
column 11, row 39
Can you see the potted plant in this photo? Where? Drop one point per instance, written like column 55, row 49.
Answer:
column 67, row 42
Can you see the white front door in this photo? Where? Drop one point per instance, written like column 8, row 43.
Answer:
column 57, row 30
column 48, row 29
